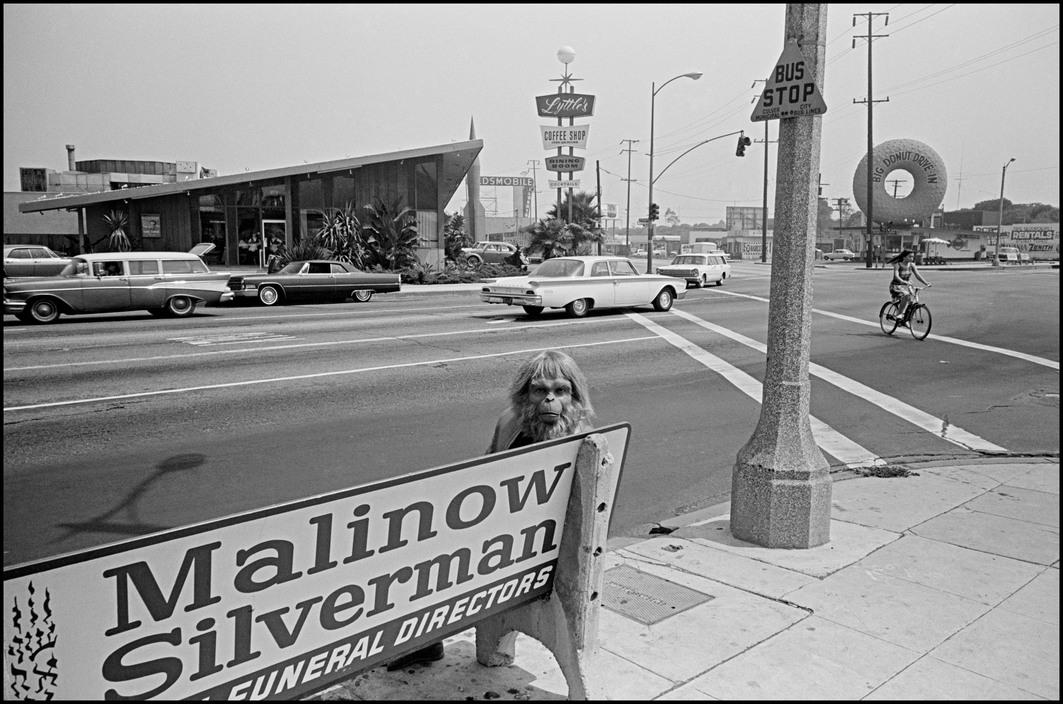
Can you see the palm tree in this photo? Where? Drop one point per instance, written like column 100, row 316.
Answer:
column 394, row 230
column 116, row 222
column 585, row 226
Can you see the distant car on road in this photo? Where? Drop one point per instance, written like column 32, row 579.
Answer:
column 698, row 269
column 32, row 260
column 493, row 253
column 167, row 284
column 839, row 255
column 579, row 284
column 315, row 279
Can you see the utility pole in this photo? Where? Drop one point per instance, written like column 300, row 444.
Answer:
column 627, row 223
column 764, row 206
column 535, row 187
column 598, row 176
column 819, row 196
column 896, row 182
column 870, row 144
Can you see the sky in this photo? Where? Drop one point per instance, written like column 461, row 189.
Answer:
column 253, row 87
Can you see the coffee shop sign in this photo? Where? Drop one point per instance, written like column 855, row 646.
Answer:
column 565, row 105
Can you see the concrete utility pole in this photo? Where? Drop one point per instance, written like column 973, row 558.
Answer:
column 870, row 144
column 534, row 163
column 781, row 485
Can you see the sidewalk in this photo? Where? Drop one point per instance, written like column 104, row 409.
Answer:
column 942, row 584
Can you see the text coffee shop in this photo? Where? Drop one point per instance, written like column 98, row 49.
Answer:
column 286, row 204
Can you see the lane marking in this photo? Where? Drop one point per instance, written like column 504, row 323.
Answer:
column 231, row 338
column 1052, row 364
column 932, row 424
column 306, row 345
column 830, row 440
column 319, row 375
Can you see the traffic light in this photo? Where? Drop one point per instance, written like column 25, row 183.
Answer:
column 743, row 142
column 655, row 211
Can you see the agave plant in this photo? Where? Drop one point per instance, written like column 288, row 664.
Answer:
column 393, row 228
column 344, row 236
column 117, row 240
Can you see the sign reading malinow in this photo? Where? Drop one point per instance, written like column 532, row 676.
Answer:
column 564, row 163
column 568, row 136
column 791, row 90
column 565, row 105
column 283, row 601
column 570, row 183
column 507, row 181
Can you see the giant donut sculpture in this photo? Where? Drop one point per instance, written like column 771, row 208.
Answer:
column 921, row 162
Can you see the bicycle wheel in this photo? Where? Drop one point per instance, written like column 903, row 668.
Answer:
column 889, row 308
column 919, row 322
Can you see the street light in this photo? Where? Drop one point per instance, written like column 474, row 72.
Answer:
column 1000, row 217
column 695, row 75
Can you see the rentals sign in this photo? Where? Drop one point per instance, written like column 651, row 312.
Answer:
column 282, row 601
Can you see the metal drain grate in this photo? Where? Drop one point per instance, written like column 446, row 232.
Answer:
column 646, row 598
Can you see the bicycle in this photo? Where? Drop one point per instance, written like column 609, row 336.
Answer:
column 917, row 318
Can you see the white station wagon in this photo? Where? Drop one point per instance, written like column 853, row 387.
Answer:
column 579, row 284
column 698, row 269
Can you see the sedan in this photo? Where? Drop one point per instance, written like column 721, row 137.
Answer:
column 319, row 279
column 579, row 284
column 32, row 260
column 839, row 255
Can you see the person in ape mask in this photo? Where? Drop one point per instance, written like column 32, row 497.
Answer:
column 548, row 399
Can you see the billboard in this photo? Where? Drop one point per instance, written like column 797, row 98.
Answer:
column 283, row 601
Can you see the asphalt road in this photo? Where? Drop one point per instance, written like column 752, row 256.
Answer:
column 120, row 425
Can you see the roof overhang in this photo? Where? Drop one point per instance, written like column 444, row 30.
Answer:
column 457, row 157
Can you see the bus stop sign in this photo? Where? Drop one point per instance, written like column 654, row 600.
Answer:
column 791, row 90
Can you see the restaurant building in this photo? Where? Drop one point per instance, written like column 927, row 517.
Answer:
column 288, row 203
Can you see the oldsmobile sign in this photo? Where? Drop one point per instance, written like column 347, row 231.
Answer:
column 565, row 105
column 283, row 601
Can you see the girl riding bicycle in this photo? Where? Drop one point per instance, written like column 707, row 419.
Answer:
column 900, row 287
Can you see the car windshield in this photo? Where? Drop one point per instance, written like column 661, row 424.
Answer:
column 688, row 259
column 560, row 268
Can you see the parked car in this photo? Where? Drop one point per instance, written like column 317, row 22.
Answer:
column 579, row 284
column 313, row 280
column 839, row 255
column 698, row 269
column 32, row 260
column 1012, row 255
column 162, row 283
column 493, row 253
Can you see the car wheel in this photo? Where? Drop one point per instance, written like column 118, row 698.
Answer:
column 722, row 277
column 704, row 281
column 180, row 307
column 578, row 308
column 362, row 295
column 269, row 295
column 473, row 262
column 43, row 310
column 663, row 301
column 533, row 311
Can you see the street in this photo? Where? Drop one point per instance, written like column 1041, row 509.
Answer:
column 120, row 425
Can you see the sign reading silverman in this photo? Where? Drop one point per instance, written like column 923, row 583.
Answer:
column 565, row 105
column 564, row 163
column 281, row 602
column 791, row 89
column 566, row 136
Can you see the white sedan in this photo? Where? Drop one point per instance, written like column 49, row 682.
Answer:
column 839, row 255
column 579, row 284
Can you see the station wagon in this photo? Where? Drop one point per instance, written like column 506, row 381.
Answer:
column 168, row 284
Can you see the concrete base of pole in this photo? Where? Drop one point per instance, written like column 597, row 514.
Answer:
column 780, row 509
column 781, row 485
